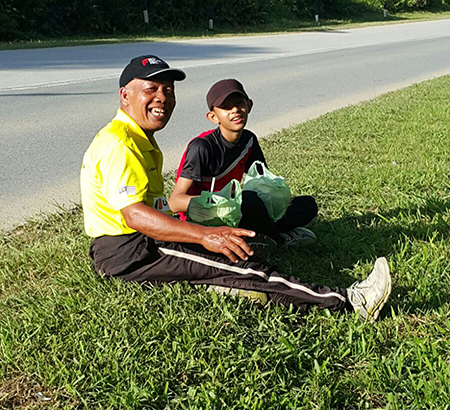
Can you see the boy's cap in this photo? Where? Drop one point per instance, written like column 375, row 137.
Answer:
column 221, row 90
column 146, row 67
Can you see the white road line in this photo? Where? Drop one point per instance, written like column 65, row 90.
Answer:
column 227, row 62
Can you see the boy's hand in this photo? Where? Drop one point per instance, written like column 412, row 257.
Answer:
column 228, row 241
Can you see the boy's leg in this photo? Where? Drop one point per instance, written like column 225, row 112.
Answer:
column 255, row 216
column 301, row 211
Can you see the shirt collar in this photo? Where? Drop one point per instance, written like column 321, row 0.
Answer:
column 227, row 143
column 139, row 136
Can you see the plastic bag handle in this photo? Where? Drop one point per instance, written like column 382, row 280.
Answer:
column 261, row 165
column 234, row 184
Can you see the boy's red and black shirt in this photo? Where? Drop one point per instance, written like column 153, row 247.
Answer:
column 210, row 156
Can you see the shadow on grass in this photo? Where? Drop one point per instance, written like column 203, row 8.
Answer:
column 346, row 249
column 350, row 241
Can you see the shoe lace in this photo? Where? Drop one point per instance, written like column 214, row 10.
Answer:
column 291, row 237
column 355, row 295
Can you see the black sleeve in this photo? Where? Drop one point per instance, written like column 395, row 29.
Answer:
column 196, row 157
column 256, row 154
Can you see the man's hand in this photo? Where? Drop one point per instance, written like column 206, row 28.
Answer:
column 157, row 225
column 228, row 241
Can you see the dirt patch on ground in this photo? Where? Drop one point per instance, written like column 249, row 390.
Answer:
column 22, row 393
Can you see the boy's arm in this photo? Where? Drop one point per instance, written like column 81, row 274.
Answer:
column 190, row 170
column 179, row 200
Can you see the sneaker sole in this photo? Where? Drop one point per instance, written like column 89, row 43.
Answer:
column 262, row 245
column 375, row 312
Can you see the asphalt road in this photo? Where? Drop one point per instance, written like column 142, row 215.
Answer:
column 53, row 101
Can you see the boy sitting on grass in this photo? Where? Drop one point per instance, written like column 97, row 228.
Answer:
column 225, row 153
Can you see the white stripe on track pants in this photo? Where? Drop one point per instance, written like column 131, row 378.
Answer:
column 175, row 262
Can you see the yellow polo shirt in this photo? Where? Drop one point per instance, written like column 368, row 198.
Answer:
column 121, row 167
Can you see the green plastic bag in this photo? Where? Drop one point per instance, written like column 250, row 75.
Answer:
column 217, row 208
column 272, row 189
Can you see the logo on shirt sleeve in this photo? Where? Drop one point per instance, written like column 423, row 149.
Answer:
column 127, row 190
column 161, row 204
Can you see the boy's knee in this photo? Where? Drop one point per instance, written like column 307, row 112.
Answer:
column 304, row 204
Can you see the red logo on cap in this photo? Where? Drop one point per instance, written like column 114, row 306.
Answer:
column 152, row 60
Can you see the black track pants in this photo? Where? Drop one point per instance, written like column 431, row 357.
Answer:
column 137, row 258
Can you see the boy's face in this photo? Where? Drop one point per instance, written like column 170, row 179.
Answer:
column 232, row 113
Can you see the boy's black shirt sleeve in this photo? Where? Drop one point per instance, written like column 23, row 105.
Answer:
column 197, row 156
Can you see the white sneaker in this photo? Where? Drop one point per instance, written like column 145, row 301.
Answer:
column 369, row 296
column 258, row 297
column 298, row 236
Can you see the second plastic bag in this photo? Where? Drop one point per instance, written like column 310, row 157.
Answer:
column 271, row 188
column 217, row 208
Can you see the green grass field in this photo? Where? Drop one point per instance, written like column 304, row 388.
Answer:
column 380, row 173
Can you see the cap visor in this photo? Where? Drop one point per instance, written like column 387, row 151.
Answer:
column 175, row 73
column 219, row 100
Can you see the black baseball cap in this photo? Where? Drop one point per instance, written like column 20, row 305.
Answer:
column 146, row 67
column 218, row 93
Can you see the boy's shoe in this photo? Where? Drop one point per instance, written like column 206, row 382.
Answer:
column 369, row 296
column 262, row 245
column 298, row 236
column 258, row 297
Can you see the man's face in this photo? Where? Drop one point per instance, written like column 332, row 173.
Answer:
column 233, row 112
column 149, row 102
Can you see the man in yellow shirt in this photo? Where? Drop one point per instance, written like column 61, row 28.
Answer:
column 136, row 240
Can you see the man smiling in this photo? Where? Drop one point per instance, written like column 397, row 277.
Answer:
column 122, row 184
column 134, row 239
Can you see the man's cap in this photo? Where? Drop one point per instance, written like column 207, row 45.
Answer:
column 218, row 93
column 146, row 67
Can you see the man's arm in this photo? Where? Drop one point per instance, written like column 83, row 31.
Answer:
column 179, row 200
column 159, row 226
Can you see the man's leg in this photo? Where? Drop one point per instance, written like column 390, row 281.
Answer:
column 192, row 263
column 198, row 266
column 174, row 262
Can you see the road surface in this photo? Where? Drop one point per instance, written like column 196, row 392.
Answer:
column 53, row 101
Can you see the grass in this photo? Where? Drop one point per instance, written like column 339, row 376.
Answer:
column 276, row 27
column 379, row 171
